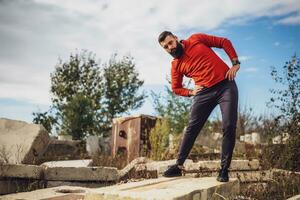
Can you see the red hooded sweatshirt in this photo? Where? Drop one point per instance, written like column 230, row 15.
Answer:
column 200, row 62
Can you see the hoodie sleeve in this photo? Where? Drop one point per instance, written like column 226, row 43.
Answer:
column 219, row 42
column 176, row 82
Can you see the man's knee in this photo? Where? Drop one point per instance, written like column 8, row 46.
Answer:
column 229, row 129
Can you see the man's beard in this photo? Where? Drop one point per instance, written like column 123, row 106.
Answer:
column 178, row 51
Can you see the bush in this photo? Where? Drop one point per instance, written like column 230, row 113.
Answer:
column 119, row 161
column 159, row 139
column 283, row 156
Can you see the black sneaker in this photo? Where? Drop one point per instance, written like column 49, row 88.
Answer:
column 173, row 171
column 223, row 176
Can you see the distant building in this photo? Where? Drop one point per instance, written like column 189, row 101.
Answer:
column 217, row 136
column 64, row 137
column 253, row 138
column 242, row 138
column 248, row 138
column 281, row 139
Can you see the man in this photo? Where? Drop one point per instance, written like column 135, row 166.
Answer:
column 214, row 85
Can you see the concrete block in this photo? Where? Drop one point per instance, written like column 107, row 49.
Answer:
column 214, row 165
column 242, row 176
column 90, row 184
column 210, row 165
column 92, row 145
column 245, row 165
column 64, row 150
column 281, row 172
column 297, row 197
column 21, row 171
column 123, row 172
column 57, row 193
column 6, row 187
column 161, row 166
column 81, row 173
column 21, row 142
column 13, row 185
column 68, row 163
column 252, row 176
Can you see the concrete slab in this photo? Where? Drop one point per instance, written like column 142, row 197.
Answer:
column 49, row 193
column 13, row 185
column 161, row 166
column 162, row 188
column 214, row 165
column 21, row 171
column 88, row 184
column 172, row 188
column 297, row 197
column 81, row 173
column 68, row 163
column 210, row 165
column 21, row 142
column 242, row 176
column 6, row 187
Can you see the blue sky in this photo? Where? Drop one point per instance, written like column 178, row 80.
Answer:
column 34, row 34
column 261, row 44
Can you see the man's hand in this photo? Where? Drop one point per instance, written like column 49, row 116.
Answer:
column 197, row 89
column 230, row 75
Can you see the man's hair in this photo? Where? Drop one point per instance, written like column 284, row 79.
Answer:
column 163, row 36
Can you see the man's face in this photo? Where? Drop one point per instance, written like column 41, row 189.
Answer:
column 172, row 46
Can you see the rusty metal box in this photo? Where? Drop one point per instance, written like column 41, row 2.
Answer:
column 130, row 136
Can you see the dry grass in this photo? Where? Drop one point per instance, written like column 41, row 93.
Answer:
column 120, row 161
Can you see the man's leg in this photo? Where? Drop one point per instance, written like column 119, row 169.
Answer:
column 228, row 100
column 203, row 104
column 200, row 111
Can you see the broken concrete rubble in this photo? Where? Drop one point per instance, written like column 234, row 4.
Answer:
column 161, row 188
column 21, row 142
column 63, row 150
column 212, row 165
column 56, row 174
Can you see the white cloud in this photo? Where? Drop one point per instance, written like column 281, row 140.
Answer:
column 34, row 33
column 291, row 20
column 276, row 43
column 250, row 69
column 244, row 58
column 249, row 38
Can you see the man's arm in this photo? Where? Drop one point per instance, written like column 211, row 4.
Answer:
column 176, row 82
column 231, row 73
column 224, row 43
column 219, row 42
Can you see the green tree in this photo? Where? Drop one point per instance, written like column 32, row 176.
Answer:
column 78, row 117
column 172, row 107
column 159, row 139
column 86, row 97
column 46, row 119
column 120, row 89
column 76, row 87
column 286, row 99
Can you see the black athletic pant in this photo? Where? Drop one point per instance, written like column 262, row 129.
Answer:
column 224, row 93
